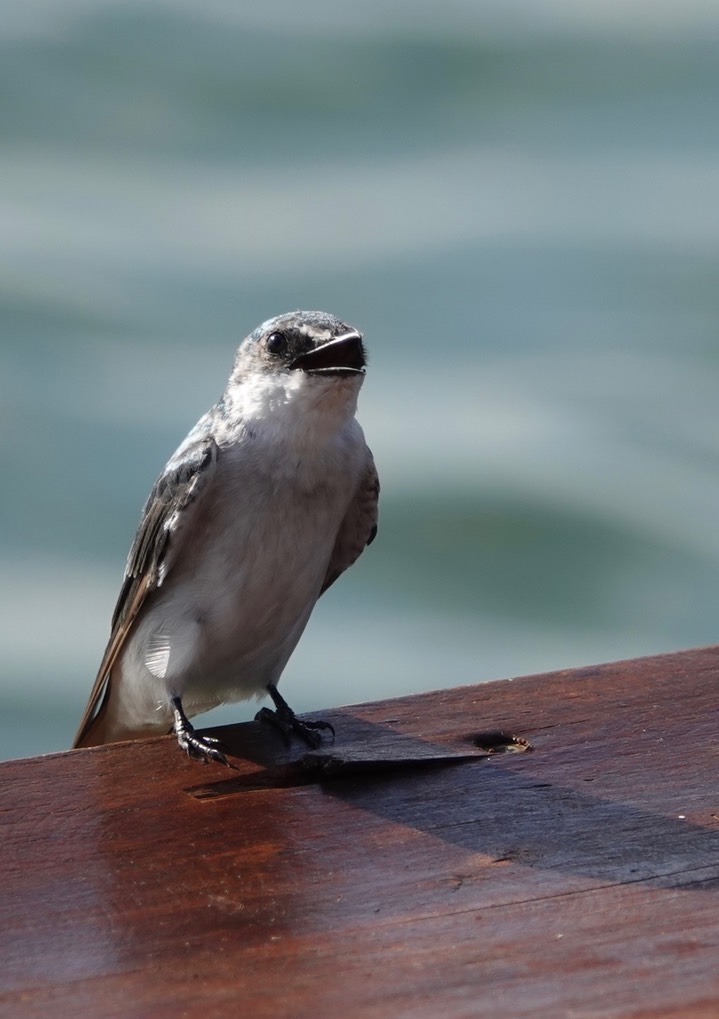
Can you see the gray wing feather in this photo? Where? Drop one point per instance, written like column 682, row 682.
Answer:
column 359, row 527
column 156, row 543
column 163, row 518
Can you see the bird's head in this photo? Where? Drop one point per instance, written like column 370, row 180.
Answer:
column 312, row 343
column 302, row 358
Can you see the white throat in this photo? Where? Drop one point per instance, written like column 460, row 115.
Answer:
column 302, row 407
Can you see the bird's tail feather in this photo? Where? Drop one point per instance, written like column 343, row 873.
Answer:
column 94, row 734
column 100, row 730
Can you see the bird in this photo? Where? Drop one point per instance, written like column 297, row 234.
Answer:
column 271, row 496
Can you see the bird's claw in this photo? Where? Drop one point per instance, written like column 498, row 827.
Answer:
column 202, row 748
column 288, row 724
column 199, row 748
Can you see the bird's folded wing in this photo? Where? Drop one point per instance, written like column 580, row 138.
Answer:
column 163, row 527
column 358, row 527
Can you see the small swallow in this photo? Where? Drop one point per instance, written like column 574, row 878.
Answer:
column 271, row 496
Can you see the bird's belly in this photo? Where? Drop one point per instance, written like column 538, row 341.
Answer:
column 226, row 621
column 250, row 622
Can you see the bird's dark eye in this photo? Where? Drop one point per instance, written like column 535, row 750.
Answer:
column 277, row 343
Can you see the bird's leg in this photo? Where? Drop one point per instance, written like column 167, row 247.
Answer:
column 201, row 748
column 284, row 719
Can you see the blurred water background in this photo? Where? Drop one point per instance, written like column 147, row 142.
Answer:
column 516, row 200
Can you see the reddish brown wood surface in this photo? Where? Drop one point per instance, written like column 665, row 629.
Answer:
column 578, row 880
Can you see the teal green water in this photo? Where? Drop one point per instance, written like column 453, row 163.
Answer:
column 515, row 202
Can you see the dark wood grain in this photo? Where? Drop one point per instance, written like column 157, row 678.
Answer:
column 580, row 879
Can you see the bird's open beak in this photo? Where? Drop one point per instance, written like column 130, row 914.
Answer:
column 342, row 356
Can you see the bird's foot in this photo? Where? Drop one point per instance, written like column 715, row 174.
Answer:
column 288, row 724
column 199, row 748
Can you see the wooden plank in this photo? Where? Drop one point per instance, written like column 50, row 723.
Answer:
column 581, row 879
